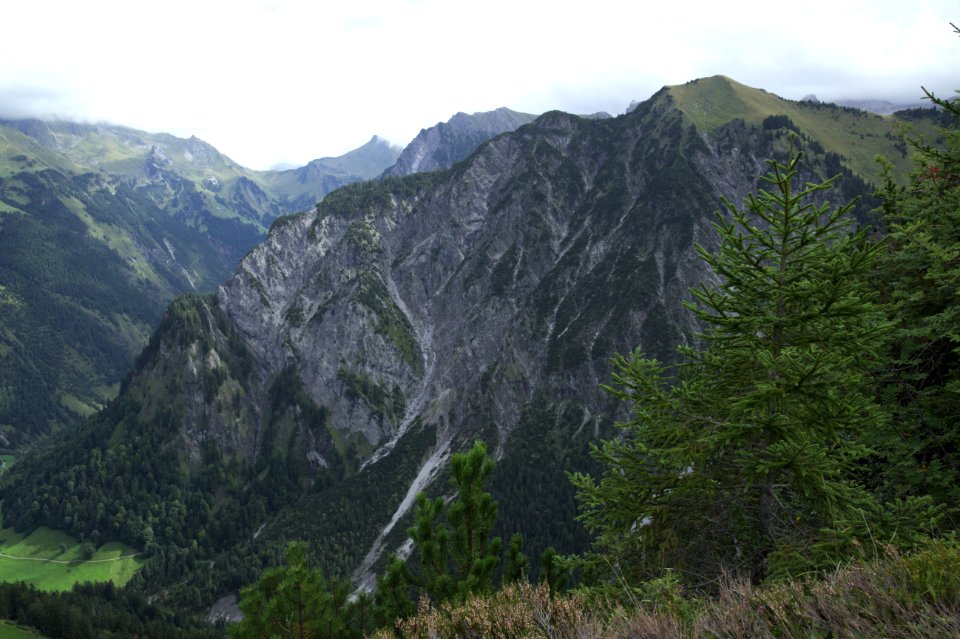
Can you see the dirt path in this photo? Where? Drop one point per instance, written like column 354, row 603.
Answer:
column 69, row 561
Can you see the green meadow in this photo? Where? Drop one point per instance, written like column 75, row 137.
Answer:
column 52, row 560
column 10, row 631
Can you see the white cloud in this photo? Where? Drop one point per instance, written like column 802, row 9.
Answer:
column 286, row 80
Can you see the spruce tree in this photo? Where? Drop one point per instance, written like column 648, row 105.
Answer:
column 739, row 457
column 919, row 275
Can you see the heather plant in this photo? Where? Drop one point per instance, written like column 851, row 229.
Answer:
column 516, row 610
column 895, row 597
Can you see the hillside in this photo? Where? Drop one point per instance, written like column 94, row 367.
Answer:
column 365, row 340
column 303, row 187
column 100, row 227
column 857, row 136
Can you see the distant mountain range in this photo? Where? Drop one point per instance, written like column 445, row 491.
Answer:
column 100, row 227
column 366, row 339
column 881, row 107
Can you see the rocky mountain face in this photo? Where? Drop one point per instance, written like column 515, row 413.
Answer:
column 100, row 227
column 445, row 143
column 364, row 341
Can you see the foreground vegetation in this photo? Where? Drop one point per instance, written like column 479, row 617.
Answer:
column 893, row 597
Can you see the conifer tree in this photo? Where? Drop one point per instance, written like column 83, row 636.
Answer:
column 737, row 458
column 919, row 274
column 461, row 559
column 295, row 601
column 515, row 568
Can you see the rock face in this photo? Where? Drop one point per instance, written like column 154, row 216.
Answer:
column 445, row 143
column 468, row 295
column 494, row 269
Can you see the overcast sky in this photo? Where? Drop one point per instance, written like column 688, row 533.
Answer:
column 286, row 81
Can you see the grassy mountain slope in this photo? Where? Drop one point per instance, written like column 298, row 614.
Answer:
column 856, row 135
column 20, row 152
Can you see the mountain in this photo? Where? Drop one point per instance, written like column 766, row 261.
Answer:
column 100, row 227
column 223, row 188
column 446, row 143
column 364, row 341
column 303, row 187
column 883, row 107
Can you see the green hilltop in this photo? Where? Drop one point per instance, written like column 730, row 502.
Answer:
column 857, row 136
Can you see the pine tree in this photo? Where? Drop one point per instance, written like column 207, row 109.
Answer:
column 739, row 457
column 461, row 559
column 475, row 553
column 295, row 601
column 515, row 568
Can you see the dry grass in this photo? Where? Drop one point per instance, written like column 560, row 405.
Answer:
column 910, row 597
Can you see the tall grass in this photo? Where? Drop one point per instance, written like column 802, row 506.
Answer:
column 916, row 596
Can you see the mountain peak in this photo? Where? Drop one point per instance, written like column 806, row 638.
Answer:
column 711, row 103
column 448, row 142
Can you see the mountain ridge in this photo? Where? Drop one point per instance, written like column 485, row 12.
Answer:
column 153, row 215
column 445, row 143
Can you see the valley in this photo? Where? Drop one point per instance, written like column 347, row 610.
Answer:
column 102, row 226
